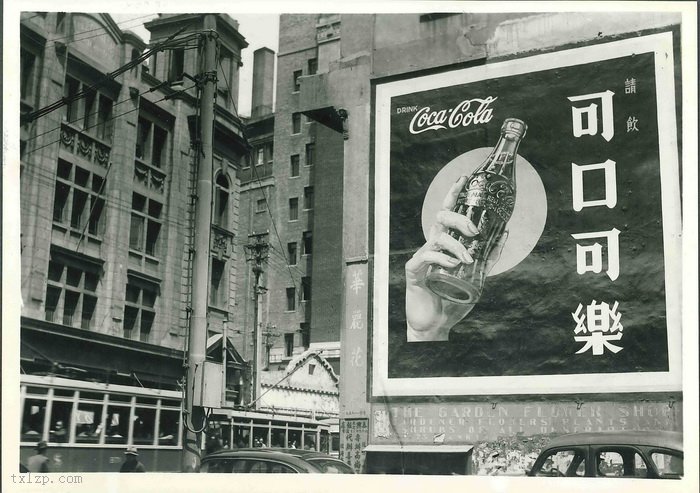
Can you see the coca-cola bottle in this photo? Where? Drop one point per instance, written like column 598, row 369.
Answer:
column 487, row 199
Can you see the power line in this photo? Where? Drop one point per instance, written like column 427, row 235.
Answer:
column 30, row 117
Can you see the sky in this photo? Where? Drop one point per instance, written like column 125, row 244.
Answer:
column 259, row 30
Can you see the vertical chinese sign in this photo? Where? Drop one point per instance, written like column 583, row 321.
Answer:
column 354, row 419
column 582, row 293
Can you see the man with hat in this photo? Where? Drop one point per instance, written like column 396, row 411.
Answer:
column 39, row 462
column 131, row 462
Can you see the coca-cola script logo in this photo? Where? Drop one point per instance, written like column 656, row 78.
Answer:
column 469, row 111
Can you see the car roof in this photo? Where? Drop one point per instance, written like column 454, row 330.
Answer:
column 263, row 452
column 667, row 439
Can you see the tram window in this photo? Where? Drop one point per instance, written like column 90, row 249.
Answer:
column 144, row 424
column 37, row 390
column 169, row 423
column 146, row 400
column 64, row 392
column 94, row 396
column 241, row 437
column 117, row 424
column 260, row 437
column 277, row 438
column 119, row 398
column 323, row 446
column 33, row 419
column 88, row 422
column 169, row 403
column 294, row 439
column 310, row 440
column 60, row 421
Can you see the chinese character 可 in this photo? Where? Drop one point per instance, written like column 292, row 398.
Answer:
column 632, row 124
column 357, row 282
column 591, row 114
column 596, row 253
column 631, row 86
column 577, row 172
column 357, row 323
column 600, row 325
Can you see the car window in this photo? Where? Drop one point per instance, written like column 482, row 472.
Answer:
column 331, row 466
column 668, row 465
column 620, row 462
column 217, row 466
column 278, row 468
column 563, row 463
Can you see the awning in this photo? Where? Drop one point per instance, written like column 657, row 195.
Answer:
column 438, row 448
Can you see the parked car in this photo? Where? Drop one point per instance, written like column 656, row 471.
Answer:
column 631, row 454
column 273, row 460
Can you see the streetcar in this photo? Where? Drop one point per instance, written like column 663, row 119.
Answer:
column 89, row 425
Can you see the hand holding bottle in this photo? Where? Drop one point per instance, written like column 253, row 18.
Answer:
column 430, row 317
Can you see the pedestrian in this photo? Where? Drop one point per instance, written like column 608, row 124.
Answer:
column 131, row 461
column 39, row 462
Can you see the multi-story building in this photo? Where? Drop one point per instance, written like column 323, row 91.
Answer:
column 107, row 210
column 392, row 102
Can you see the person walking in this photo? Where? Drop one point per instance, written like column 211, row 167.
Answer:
column 131, row 461
column 39, row 462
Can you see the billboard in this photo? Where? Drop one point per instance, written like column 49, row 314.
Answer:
column 527, row 226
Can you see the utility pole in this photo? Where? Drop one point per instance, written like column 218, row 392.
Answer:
column 194, row 416
column 257, row 252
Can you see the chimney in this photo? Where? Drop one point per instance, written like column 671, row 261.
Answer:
column 263, row 79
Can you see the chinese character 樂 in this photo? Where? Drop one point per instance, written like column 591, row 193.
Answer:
column 577, row 172
column 590, row 114
column 595, row 252
column 599, row 325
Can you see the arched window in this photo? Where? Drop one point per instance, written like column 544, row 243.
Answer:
column 221, row 194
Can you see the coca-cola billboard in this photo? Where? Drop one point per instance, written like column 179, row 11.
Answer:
column 578, row 286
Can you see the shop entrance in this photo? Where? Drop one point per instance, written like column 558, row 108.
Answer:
column 419, row 459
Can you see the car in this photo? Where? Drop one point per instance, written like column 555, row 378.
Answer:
column 273, row 460
column 628, row 454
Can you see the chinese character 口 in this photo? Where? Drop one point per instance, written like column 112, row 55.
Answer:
column 577, row 172
column 600, row 325
column 590, row 113
column 596, row 253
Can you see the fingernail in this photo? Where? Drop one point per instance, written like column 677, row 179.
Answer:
column 467, row 258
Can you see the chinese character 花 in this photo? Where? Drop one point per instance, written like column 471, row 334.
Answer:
column 598, row 326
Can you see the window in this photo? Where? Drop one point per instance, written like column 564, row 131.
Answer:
column 269, row 151
column 296, row 123
column 293, row 209
column 245, row 161
column 145, row 224
column 70, row 292
column 88, row 422
column 260, row 156
column 305, row 335
column 305, row 288
column 144, row 425
column 261, row 205
column 151, row 140
column 294, row 165
column 79, row 198
column 621, row 462
column 291, row 299
column 27, row 71
column 33, row 414
column 669, row 465
column 92, row 112
column 117, row 424
column 292, row 253
column 313, row 66
column 295, row 77
column 306, row 244
column 221, row 195
column 310, row 154
column 139, row 309
column 308, row 197
column 177, row 64
column 288, row 344
column 217, row 288
column 563, row 463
